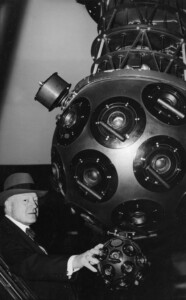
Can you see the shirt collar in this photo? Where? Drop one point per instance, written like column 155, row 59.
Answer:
column 19, row 224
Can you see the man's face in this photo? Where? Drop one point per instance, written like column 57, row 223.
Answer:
column 23, row 208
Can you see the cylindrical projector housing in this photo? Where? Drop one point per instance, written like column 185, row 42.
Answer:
column 52, row 91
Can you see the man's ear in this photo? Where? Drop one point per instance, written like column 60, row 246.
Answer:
column 8, row 206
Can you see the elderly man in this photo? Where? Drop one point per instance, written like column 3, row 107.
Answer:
column 47, row 275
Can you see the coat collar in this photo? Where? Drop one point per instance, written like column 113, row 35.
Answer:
column 15, row 230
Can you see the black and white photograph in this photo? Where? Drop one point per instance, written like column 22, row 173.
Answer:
column 92, row 150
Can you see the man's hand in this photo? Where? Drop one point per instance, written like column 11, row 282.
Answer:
column 87, row 259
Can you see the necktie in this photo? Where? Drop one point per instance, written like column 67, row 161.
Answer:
column 32, row 234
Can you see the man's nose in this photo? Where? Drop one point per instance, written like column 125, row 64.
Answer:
column 34, row 203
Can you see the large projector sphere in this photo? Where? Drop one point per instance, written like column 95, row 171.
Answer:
column 119, row 154
column 119, row 147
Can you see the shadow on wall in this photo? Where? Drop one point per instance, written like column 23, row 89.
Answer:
column 11, row 15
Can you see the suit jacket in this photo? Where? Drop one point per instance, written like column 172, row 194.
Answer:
column 45, row 274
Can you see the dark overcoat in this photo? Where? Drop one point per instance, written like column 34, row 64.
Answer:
column 45, row 274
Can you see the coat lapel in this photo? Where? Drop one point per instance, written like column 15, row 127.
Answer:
column 11, row 227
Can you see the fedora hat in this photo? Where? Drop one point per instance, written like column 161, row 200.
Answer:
column 19, row 183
